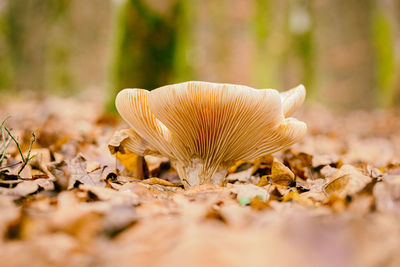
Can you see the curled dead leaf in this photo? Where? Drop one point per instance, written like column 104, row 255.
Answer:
column 348, row 180
column 115, row 144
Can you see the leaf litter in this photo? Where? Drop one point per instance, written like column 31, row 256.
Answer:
column 331, row 200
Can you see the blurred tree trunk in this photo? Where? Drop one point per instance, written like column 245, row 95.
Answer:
column 183, row 54
column 344, row 61
column 396, row 12
column 387, row 60
column 52, row 45
column 299, row 57
column 271, row 39
column 145, row 44
column 23, row 49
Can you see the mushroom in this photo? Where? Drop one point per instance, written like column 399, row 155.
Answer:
column 203, row 127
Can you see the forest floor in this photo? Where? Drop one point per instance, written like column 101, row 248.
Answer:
column 75, row 204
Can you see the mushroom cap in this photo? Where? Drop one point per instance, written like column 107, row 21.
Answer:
column 216, row 123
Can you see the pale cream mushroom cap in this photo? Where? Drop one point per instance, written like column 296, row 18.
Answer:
column 205, row 127
column 292, row 99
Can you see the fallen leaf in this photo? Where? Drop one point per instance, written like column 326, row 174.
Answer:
column 280, row 174
column 259, row 204
column 79, row 172
column 263, row 181
column 22, row 189
column 135, row 165
column 215, row 215
column 387, row 194
column 242, row 176
column 158, row 181
column 249, row 191
column 294, row 196
column 336, row 203
column 347, row 180
column 61, row 173
column 300, row 164
column 119, row 219
column 262, row 166
column 115, row 143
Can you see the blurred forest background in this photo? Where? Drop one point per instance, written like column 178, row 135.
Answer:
column 346, row 52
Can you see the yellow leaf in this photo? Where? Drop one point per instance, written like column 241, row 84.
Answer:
column 280, row 174
column 233, row 168
column 129, row 160
column 298, row 198
column 159, row 181
column 263, row 181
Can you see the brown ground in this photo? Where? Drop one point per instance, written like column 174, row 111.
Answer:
column 75, row 205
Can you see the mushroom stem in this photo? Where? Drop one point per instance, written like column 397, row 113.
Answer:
column 198, row 172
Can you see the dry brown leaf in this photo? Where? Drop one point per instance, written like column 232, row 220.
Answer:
column 362, row 204
column 280, row 174
column 328, row 171
column 128, row 222
column 249, row 191
column 294, row 196
column 119, row 219
column 324, row 160
column 387, row 194
column 158, row 181
column 61, row 173
column 336, row 203
column 348, row 180
column 215, row 215
column 8, row 213
column 115, row 143
column 22, row 189
column 262, row 166
column 106, row 194
column 259, row 204
column 242, row 176
column 300, row 164
column 78, row 168
column 263, row 181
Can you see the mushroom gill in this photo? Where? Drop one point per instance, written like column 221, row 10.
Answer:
column 205, row 127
